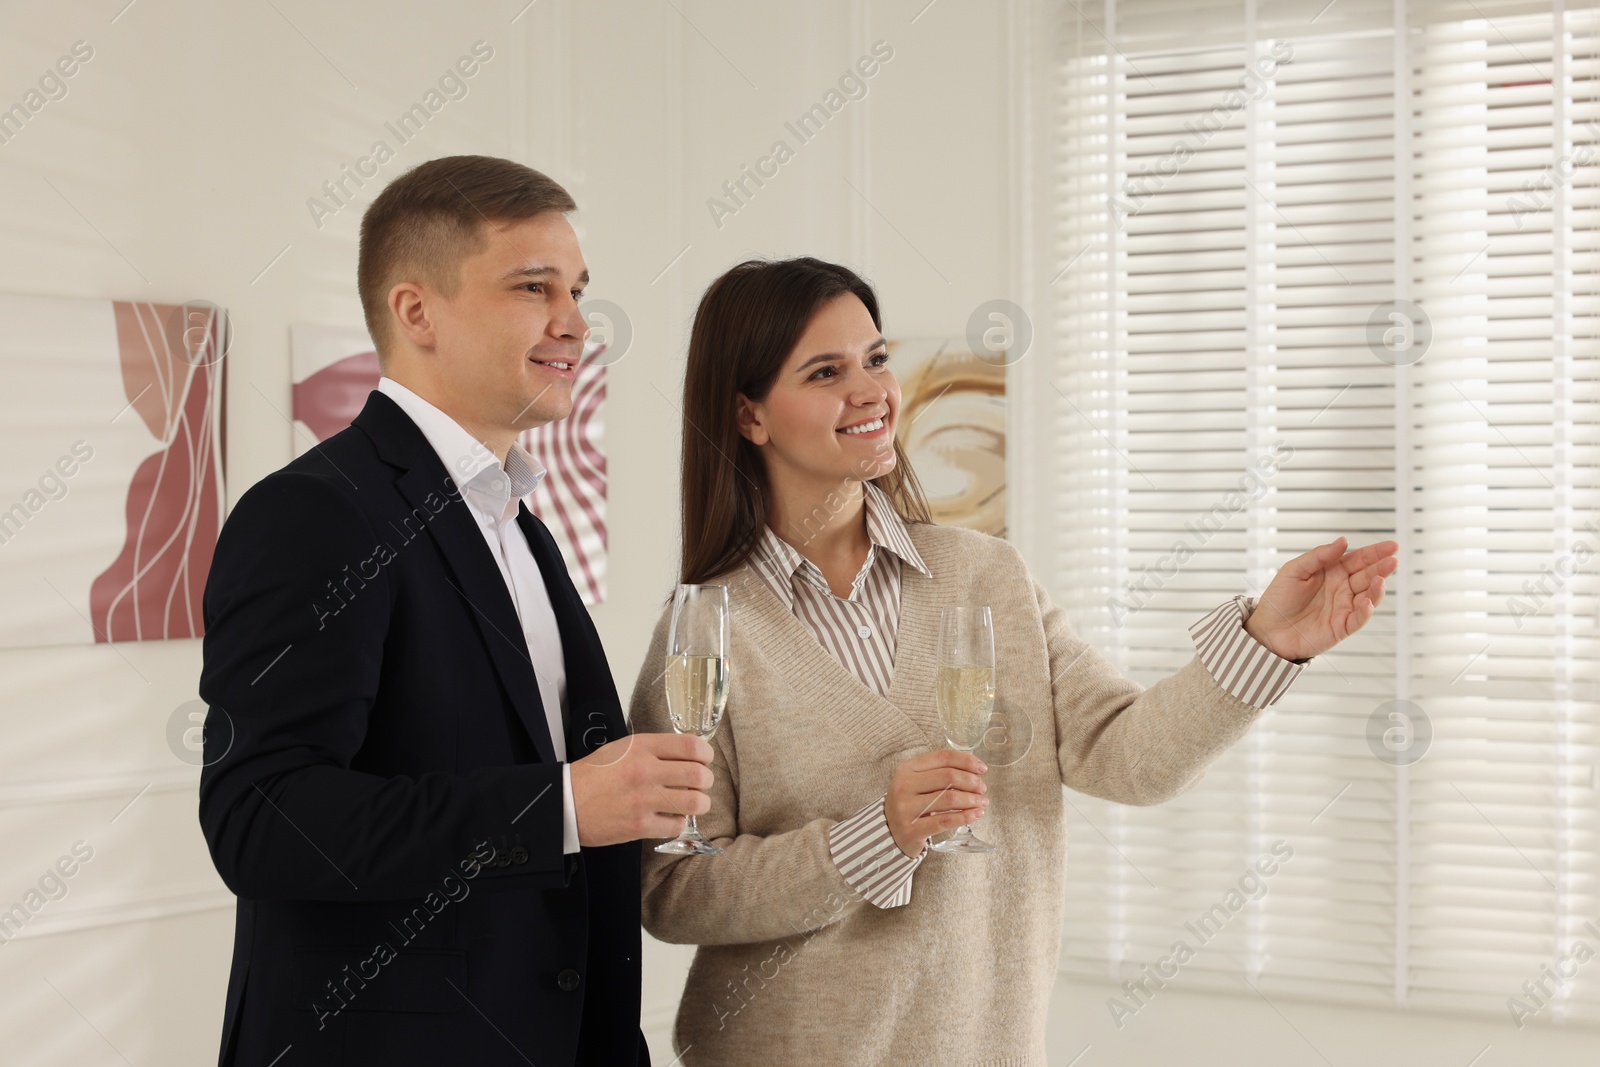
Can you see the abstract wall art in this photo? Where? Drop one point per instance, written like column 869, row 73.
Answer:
column 953, row 428
column 111, row 468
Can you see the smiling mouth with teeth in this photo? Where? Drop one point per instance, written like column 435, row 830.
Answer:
column 865, row 427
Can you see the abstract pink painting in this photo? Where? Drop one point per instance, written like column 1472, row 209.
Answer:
column 335, row 369
column 113, row 450
column 151, row 591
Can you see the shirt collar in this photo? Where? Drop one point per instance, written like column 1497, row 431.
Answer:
column 468, row 461
column 885, row 529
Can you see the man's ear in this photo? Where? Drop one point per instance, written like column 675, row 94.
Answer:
column 408, row 303
column 748, row 420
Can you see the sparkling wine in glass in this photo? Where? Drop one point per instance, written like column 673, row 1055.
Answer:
column 697, row 683
column 965, row 694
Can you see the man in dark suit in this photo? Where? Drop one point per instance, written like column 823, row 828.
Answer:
column 418, row 778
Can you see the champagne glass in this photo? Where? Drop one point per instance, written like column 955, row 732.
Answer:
column 697, row 683
column 965, row 694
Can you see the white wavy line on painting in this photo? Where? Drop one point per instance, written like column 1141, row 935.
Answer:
column 208, row 447
column 157, row 371
column 190, row 504
column 196, row 443
column 157, row 368
column 172, row 422
column 198, row 446
column 215, row 450
column 158, row 376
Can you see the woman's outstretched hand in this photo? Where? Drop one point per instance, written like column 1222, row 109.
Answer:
column 1322, row 597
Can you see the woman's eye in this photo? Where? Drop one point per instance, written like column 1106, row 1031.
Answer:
column 880, row 359
column 824, row 370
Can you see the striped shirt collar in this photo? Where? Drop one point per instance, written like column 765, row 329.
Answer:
column 885, row 530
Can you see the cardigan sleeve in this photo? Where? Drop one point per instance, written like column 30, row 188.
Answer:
column 1121, row 741
column 762, row 888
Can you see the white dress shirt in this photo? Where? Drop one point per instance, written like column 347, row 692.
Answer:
column 492, row 494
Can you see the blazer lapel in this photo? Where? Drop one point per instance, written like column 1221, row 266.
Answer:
column 437, row 503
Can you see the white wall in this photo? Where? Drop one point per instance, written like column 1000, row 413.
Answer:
column 185, row 152
column 1197, row 1029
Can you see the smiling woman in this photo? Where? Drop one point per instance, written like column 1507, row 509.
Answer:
column 832, row 771
column 844, row 384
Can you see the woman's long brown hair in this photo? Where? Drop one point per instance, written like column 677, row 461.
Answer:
column 748, row 322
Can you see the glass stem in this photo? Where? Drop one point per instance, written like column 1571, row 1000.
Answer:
column 691, row 829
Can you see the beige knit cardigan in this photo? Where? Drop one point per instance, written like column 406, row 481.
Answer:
column 793, row 966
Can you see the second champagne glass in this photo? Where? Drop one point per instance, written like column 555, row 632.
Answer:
column 965, row 694
column 697, row 683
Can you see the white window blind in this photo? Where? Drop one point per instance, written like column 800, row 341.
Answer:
column 1240, row 191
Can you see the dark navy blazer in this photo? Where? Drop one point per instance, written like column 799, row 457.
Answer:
column 380, row 789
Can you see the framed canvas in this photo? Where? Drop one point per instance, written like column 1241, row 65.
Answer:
column 111, row 464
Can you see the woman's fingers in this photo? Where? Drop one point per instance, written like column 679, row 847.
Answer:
column 922, row 805
column 945, row 757
column 936, row 823
column 1367, row 555
column 942, row 778
column 1371, row 582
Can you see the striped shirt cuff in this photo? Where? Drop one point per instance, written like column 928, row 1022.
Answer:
column 1240, row 664
column 864, row 850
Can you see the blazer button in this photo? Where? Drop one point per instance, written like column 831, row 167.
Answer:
column 502, row 858
column 567, row 980
column 519, row 854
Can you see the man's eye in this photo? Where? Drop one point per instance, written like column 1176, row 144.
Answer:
column 533, row 285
